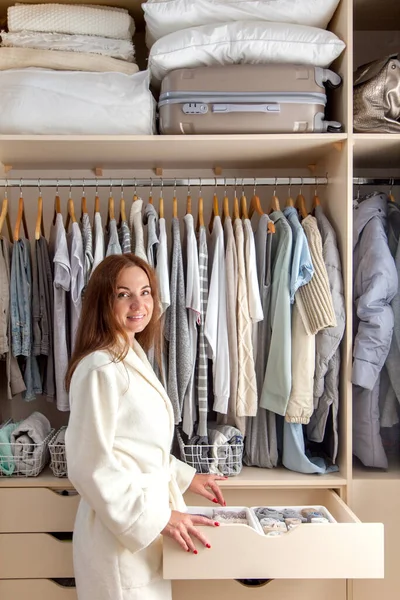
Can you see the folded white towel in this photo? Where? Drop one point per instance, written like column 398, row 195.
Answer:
column 23, row 58
column 121, row 49
column 71, row 18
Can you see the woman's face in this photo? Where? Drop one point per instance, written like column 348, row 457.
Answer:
column 133, row 304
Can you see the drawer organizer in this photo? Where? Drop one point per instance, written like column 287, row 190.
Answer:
column 344, row 548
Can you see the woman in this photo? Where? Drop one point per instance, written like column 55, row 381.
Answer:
column 118, row 443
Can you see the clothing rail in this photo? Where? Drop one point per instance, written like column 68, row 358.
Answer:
column 376, row 181
column 160, row 182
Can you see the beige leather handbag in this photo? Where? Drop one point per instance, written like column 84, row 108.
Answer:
column 377, row 96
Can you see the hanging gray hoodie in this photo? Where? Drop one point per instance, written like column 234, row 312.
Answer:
column 375, row 285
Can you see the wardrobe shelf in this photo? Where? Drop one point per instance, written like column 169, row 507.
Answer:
column 166, row 151
column 373, row 15
column 253, row 478
column 45, row 479
column 376, row 150
column 361, row 473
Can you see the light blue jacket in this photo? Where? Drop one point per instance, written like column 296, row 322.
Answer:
column 302, row 268
column 278, row 375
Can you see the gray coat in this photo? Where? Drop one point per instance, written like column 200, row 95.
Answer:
column 327, row 341
column 375, row 285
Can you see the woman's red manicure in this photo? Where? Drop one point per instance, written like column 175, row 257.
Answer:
column 188, row 549
column 215, row 500
column 194, row 551
column 208, row 546
column 216, row 524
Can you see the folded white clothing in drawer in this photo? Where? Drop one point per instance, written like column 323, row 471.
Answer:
column 72, row 18
column 121, row 49
column 39, row 101
column 24, row 58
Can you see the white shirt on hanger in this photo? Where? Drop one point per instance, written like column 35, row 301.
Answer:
column 98, row 241
column 253, row 289
column 192, row 277
column 77, row 278
column 216, row 329
column 162, row 269
column 62, row 284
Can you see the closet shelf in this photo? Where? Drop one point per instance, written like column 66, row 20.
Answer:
column 376, row 16
column 166, row 151
column 361, row 473
column 249, row 478
column 376, row 150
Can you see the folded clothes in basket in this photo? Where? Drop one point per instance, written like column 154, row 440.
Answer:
column 227, row 450
column 27, row 442
column 7, row 465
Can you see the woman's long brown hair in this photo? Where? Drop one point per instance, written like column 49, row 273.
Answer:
column 98, row 327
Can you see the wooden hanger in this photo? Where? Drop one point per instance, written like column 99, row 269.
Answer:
column 274, row 205
column 255, row 204
column 225, row 208
column 57, row 205
column 135, row 195
column 151, row 191
column 175, row 204
column 200, row 213
column 20, row 218
column 390, row 195
column 236, row 213
column 214, row 212
column 243, row 206
column 5, row 216
column 111, row 210
column 83, row 201
column 161, row 203
column 71, row 210
column 122, row 210
column 301, row 204
column 39, row 227
column 290, row 201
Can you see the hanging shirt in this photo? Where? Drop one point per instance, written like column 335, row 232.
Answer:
column 15, row 382
column 261, row 449
column 77, row 280
column 301, row 401
column 21, row 319
column 302, row 268
column 201, row 366
column 87, row 247
column 247, row 385
column 125, row 238
column 136, row 226
column 216, row 329
column 253, row 291
column 176, row 330
column 113, row 246
column 231, row 271
column 62, row 284
column 194, row 317
column 162, row 270
column 278, row 376
column 150, row 218
column 98, row 241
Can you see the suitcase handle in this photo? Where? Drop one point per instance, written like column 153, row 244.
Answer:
column 273, row 107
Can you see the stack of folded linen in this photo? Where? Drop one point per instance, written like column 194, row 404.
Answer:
column 193, row 33
column 73, row 67
column 68, row 37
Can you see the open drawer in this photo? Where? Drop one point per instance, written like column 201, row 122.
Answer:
column 347, row 549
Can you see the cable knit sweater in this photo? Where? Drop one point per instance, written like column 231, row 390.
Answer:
column 314, row 299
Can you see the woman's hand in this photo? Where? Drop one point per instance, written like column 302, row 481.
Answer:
column 182, row 525
column 202, row 483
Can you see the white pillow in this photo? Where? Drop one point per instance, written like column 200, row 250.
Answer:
column 243, row 42
column 167, row 16
column 40, row 101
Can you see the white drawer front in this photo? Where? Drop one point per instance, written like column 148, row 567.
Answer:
column 35, row 589
column 25, row 510
column 347, row 549
column 34, row 556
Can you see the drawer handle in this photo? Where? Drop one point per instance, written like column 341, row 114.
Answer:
column 254, row 583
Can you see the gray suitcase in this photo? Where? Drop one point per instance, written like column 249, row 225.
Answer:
column 274, row 98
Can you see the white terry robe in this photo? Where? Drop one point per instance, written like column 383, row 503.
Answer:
column 118, row 450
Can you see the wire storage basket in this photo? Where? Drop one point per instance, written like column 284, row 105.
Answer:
column 58, row 461
column 222, row 459
column 22, row 458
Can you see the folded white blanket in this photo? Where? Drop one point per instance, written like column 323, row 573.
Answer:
column 40, row 102
column 23, row 58
column 121, row 49
column 71, row 18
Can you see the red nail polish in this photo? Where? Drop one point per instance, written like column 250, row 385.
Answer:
column 208, row 546
column 216, row 524
column 224, row 503
column 215, row 500
column 195, row 552
column 188, row 550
